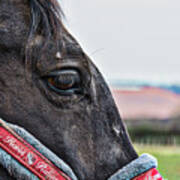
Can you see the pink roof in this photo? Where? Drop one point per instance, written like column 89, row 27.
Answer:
column 146, row 103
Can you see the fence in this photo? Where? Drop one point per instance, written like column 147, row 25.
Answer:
column 154, row 132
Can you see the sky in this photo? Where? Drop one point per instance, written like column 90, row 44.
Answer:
column 128, row 39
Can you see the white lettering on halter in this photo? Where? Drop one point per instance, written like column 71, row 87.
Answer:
column 49, row 173
column 12, row 143
column 58, row 55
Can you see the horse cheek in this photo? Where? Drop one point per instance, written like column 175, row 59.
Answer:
column 2, row 99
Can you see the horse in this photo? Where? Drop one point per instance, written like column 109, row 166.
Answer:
column 50, row 87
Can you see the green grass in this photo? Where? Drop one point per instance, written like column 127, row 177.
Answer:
column 168, row 159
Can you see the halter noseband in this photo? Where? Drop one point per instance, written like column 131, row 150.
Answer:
column 24, row 157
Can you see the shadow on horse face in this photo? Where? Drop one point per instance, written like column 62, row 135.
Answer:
column 49, row 86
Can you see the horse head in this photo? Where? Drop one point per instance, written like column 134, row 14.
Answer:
column 50, row 87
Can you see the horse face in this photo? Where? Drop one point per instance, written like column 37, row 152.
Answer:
column 58, row 94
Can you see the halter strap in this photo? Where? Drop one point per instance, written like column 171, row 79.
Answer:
column 152, row 174
column 24, row 157
column 142, row 168
column 28, row 156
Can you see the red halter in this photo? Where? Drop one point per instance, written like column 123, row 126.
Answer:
column 28, row 156
column 152, row 174
column 39, row 165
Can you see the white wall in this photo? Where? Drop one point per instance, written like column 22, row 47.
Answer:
column 129, row 38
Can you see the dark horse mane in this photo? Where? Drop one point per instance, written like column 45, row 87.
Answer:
column 46, row 16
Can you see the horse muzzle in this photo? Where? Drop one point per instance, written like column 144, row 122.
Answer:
column 24, row 157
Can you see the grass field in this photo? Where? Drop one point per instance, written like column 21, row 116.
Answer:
column 168, row 159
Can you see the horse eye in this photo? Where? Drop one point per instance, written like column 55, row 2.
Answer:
column 65, row 82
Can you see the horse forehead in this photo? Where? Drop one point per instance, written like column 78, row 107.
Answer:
column 15, row 10
column 14, row 23
column 14, row 1
column 14, row 4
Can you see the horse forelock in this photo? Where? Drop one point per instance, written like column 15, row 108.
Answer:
column 46, row 22
column 47, row 14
